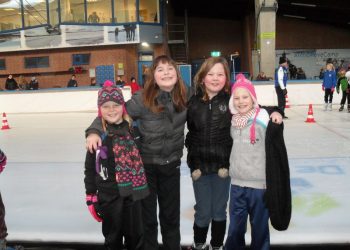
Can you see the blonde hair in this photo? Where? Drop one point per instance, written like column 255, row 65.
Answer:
column 330, row 65
column 126, row 118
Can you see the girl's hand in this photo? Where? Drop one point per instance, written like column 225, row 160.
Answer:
column 92, row 142
column 196, row 174
column 276, row 117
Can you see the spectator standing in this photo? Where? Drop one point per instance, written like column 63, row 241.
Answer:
column 328, row 86
column 281, row 76
column 120, row 82
column 93, row 18
column 93, row 82
column 11, row 83
column 301, row 74
column 72, row 82
column 347, row 75
column 133, row 85
column 22, row 83
column 33, row 84
column 343, row 85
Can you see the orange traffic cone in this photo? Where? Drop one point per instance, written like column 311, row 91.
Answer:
column 5, row 125
column 287, row 102
column 310, row 115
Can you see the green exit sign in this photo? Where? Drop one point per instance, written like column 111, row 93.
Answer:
column 215, row 53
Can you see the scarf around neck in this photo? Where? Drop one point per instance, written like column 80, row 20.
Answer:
column 240, row 121
column 129, row 170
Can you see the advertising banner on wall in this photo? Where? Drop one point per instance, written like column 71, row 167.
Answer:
column 69, row 36
column 312, row 60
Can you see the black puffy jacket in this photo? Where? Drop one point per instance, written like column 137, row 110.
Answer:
column 208, row 141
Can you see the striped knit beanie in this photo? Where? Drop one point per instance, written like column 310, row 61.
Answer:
column 109, row 93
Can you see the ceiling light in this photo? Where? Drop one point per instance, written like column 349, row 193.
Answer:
column 145, row 44
column 304, row 4
column 293, row 16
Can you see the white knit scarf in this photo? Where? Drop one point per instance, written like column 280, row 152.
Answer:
column 240, row 121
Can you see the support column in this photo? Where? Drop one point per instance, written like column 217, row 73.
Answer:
column 265, row 18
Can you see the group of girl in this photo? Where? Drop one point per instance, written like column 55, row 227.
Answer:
column 125, row 184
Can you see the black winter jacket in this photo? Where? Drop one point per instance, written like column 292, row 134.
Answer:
column 11, row 84
column 162, row 134
column 93, row 181
column 278, row 197
column 208, row 141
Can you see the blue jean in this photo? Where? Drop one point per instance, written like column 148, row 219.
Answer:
column 244, row 201
column 211, row 193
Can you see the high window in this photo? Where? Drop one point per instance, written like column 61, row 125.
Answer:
column 81, row 59
column 72, row 11
column 10, row 15
column 36, row 62
column 149, row 11
column 53, row 12
column 2, row 64
column 35, row 13
column 125, row 11
column 99, row 11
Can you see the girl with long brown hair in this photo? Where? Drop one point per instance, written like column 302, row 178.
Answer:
column 160, row 111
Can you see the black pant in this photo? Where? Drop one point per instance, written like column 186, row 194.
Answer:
column 164, row 184
column 328, row 93
column 122, row 217
column 281, row 99
column 344, row 97
column 3, row 228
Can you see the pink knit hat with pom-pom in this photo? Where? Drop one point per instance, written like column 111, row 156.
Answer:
column 108, row 92
column 242, row 82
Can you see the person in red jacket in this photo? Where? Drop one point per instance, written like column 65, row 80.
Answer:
column 133, row 85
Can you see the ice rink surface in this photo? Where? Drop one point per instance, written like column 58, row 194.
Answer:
column 43, row 190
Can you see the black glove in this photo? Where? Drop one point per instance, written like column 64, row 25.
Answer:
column 284, row 91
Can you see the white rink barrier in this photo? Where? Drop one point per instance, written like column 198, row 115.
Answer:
column 85, row 98
column 53, row 100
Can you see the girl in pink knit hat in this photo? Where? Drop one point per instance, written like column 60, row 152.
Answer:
column 209, row 144
column 258, row 161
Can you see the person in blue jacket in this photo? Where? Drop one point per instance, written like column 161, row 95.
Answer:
column 328, row 85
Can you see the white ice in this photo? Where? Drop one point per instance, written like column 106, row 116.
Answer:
column 43, row 190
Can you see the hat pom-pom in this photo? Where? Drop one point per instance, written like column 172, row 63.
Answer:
column 108, row 83
column 240, row 76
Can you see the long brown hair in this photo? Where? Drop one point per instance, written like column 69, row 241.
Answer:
column 151, row 89
column 203, row 71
